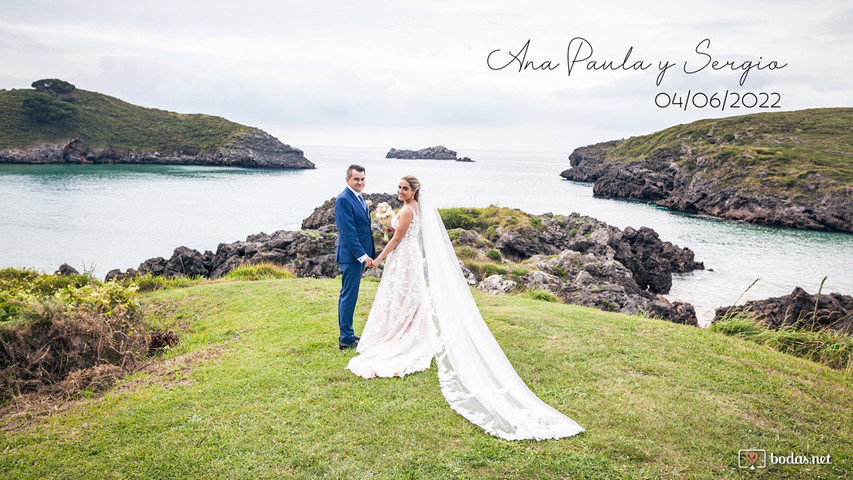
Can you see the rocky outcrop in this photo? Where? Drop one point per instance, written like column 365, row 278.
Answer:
column 433, row 153
column 678, row 179
column 66, row 270
column 578, row 259
column 798, row 310
column 254, row 149
column 308, row 253
column 650, row 260
column 324, row 216
column 587, row 262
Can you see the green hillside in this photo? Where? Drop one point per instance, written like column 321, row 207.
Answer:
column 257, row 388
column 104, row 121
column 796, row 152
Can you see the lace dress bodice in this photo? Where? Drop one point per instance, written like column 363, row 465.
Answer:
column 414, row 227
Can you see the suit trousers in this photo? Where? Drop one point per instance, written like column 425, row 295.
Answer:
column 350, row 281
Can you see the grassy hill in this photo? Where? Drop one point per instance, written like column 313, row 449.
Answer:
column 775, row 152
column 104, row 121
column 257, row 388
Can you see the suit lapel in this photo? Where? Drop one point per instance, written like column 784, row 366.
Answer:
column 354, row 199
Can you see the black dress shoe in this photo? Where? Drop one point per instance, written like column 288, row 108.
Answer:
column 348, row 345
column 356, row 337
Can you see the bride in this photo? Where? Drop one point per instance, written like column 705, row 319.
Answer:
column 424, row 309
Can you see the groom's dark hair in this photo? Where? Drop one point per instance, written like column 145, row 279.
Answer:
column 356, row 168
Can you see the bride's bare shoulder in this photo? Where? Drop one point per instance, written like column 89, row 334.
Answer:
column 416, row 208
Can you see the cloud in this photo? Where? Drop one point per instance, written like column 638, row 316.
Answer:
column 405, row 65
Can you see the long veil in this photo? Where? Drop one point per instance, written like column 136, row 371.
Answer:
column 476, row 377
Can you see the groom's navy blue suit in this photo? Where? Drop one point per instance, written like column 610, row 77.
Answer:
column 355, row 240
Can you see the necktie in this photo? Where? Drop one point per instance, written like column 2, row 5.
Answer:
column 361, row 201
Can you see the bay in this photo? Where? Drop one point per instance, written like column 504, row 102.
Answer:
column 100, row 217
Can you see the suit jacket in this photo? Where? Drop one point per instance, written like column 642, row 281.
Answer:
column 355, row 238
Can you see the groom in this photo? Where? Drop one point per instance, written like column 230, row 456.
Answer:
column 354, row 250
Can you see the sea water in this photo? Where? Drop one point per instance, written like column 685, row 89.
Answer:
column 100, row 217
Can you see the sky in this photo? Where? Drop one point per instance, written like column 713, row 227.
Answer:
column 412, row 74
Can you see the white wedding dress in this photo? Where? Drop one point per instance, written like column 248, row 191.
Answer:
column 424, row 309
column 399, row 337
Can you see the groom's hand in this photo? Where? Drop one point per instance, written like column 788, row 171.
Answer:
column 368, row 262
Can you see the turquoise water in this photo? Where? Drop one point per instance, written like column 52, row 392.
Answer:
column 108, row 216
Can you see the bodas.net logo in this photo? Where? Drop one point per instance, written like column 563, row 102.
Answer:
column 752, row 458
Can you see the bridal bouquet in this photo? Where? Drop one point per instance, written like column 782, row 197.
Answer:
column 384, row 213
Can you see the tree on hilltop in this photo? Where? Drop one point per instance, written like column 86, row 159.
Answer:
column 55, row 87
column 51, row 103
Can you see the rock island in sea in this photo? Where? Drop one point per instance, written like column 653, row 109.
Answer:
column 430, row 153
column 56, row 123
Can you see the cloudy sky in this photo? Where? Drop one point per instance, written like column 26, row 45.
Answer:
column 411, row 74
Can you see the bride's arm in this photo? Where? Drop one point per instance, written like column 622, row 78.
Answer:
column 403, row 222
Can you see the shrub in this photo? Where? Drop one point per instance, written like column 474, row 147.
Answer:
column 492, row 233
column 543, row 295
column 42, row 108
column 65, row 324
column 607, row 305
column 21, row 287
column 110, row 299
column 259, row 271
column 466, row 252
column 829, row 347
column 519, row 272
column 454, row 233
column 536, row 223
column 458, row 218
column 485, row 269
column 148, row 282
column 493, row 254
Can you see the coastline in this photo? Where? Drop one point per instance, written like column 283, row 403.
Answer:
column 102, row 217
column 780, row 169
column 256, row 149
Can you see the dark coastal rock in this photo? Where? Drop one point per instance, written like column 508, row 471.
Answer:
column 434, row 153
column 254, row 149
column 321, row 266
column 578, row 259
column 306, row 252
column 117, row 274
column 800, row 310
column 153, row 266
column 650, row 260
column 676, row 179
column 67, row 270
column 186, row 262
column 324, row 215
column 676, row 312
column 587, row 262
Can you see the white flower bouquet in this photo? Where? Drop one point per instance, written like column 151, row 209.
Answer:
column 384, row 213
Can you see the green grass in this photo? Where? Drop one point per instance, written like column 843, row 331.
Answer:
column 825, row 346
column 273, row 400
column 150, row 282
column 799, row 152
column 259, row 271
column 104, row 121
column 481, row 219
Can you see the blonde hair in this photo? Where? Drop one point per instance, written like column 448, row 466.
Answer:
column 415, row 184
